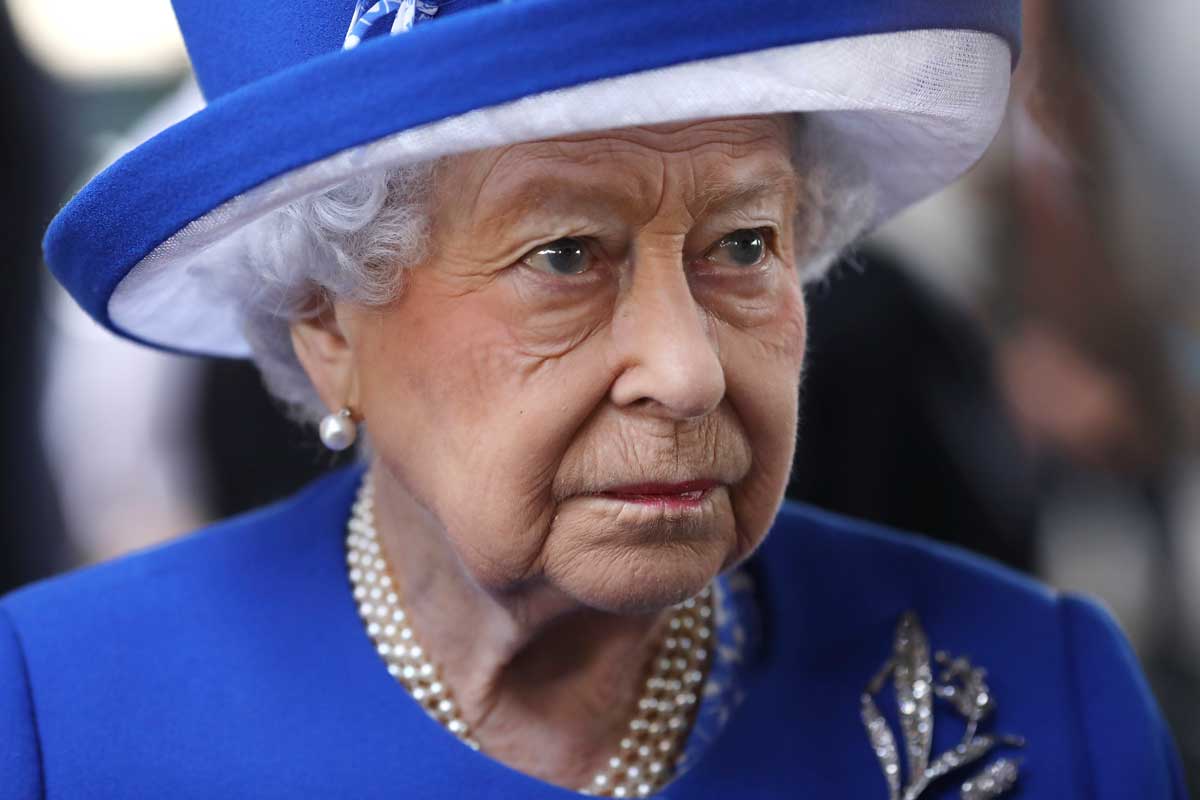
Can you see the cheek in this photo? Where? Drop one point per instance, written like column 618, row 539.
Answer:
column 475, row 424
column 762, row 368
column 545, row 324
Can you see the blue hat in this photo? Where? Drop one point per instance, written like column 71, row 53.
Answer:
column 316, row 91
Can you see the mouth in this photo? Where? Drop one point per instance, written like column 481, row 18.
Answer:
column 688, row 494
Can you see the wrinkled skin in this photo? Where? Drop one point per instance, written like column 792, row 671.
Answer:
column 503, row 398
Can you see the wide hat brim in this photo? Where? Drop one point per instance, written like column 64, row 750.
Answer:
column 914, row 90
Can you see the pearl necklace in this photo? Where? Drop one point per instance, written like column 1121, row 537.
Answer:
column 648, row 754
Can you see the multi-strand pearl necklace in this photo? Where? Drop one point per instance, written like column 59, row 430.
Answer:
column 651, row 750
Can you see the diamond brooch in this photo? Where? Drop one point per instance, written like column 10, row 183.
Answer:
column 960, row 685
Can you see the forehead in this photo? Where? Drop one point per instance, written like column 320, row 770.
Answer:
column 693, row 163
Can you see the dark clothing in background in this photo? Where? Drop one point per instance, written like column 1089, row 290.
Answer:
column 254, row 454
column 32, row 539
column 900, row 419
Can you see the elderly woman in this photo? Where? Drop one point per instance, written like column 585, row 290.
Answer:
column 550, row 254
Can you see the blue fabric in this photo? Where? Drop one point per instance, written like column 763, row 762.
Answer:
column 20, row 761
column 284, row 94
column 233, row 664
column 737, row 641
column 1112, row 699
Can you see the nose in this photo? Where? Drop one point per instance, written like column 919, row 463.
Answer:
column 666, row 346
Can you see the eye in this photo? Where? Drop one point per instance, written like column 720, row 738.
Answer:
column 743, row 248
column 566, row 256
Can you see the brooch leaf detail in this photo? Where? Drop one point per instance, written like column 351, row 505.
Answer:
column 959, row 684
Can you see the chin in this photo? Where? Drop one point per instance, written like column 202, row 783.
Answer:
column 636, row 559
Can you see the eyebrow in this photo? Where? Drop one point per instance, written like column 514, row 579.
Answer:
column 720, row 195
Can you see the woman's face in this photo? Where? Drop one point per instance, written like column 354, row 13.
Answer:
column 591, row 381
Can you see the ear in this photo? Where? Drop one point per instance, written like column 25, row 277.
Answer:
column 327, row 356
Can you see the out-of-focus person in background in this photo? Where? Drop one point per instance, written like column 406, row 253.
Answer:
column 176, row 459
column 1100, row 318
column 184, row 421
column 1054, row 302
column 252, row 227
column 1030, row 391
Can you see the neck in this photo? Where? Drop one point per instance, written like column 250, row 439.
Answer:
column 547, row 685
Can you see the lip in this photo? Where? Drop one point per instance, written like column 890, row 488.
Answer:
column 686, row 494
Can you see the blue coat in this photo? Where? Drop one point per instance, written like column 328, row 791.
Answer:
column 233, row 664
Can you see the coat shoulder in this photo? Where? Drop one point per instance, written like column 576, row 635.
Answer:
column 138, row 662
column 190, row 570
column 874, row 555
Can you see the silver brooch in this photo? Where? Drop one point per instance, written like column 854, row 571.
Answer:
column 963, row 687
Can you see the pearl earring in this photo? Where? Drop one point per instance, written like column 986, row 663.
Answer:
column 338, row 430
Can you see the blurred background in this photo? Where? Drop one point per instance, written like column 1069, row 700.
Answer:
column 1012, row 366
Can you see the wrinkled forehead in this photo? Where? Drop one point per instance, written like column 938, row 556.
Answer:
column 697, row 164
